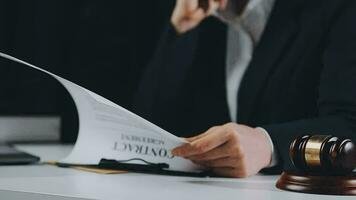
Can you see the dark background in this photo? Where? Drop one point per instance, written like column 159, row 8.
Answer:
column 101, row 45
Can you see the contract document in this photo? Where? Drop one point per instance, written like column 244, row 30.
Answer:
column 109, row 131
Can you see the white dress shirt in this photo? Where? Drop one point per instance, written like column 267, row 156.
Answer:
column 244, row 32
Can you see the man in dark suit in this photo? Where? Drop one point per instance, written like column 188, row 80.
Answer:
column 292, row 74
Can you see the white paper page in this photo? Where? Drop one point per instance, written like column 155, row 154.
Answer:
column 109, row 131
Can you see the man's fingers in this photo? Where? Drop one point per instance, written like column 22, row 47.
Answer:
column 210, row 141
column 220, row 152
column 189, row 21
column 202, row 145
column 187, row 14
column 182, row 150
column 197, row 15
column 191, row 139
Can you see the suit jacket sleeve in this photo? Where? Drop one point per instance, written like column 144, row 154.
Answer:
column 337, row 89
column 162, row 78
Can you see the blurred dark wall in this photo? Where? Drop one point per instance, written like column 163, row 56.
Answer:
column 101, row 45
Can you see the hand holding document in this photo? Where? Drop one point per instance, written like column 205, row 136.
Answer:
column 108, row 131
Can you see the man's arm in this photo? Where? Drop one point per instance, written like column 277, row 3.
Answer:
column 164, row 68
column 217, row 147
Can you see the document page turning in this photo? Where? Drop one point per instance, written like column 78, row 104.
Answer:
column 109, row 131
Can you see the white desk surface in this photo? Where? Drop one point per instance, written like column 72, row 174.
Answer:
column 37, row 182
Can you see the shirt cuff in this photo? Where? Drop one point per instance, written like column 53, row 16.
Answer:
column 274, row 159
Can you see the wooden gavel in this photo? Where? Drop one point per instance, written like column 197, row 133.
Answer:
column 323, row 154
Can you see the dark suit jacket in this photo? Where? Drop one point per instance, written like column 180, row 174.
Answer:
column 301, row 80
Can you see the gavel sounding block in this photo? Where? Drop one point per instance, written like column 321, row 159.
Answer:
column 318, row 184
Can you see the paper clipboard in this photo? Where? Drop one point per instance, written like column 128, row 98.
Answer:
column 145, row 167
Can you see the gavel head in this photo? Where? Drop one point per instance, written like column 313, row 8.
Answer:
column 323, row 153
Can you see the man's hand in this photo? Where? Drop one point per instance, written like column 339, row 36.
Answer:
column 189, row 13
column 230, row 150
